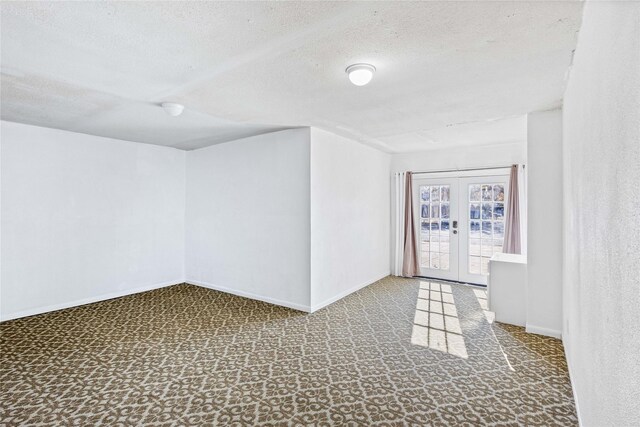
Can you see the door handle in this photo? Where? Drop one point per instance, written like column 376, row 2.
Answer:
column 455, row 224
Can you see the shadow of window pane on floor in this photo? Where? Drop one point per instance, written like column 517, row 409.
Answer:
column 436, row 324
column 481, row 296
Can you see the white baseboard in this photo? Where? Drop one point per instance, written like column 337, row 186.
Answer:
column 573, row 387
column 84, row 301
column 533, row 329
column 295, row 306
column 349, row 291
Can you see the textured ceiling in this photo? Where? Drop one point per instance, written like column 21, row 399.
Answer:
column 449, row 73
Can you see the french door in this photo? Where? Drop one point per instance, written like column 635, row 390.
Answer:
column 460, row 225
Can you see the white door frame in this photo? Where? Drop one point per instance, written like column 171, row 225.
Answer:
column 459, row 207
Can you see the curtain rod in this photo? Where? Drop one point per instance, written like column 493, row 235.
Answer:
column 465, row 169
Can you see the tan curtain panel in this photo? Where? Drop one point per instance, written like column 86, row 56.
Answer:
column 410, row 266
column 512, row 238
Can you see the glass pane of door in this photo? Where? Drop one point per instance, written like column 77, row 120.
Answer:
column 482, row 225
column 437, row 207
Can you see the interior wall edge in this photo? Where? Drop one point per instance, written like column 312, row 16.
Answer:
column 227, row 245
column 250, row 295
column 90, row 300
column 92, row 135
column 533, row 329
column 544, row 221
column 573, row 386
column 346, row 293
column 350, row 218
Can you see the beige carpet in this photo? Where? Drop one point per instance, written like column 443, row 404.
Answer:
column 399, row 352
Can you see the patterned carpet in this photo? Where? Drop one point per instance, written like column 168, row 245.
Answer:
column 399, row 352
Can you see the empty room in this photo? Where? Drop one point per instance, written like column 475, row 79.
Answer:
column 320, row 213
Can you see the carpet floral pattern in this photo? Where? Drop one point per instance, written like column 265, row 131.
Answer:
column 398, row 352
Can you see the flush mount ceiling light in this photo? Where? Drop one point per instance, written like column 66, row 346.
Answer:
column 172, row 109
column 360, row 74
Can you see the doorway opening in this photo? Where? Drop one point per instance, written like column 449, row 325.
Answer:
column 461, row 225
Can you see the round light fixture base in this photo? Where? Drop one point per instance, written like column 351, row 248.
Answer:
column 360, row 74
column 172, row 108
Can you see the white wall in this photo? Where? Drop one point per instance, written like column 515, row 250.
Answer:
column 247, row 215
column 86, row 218
column 461, row 157
column 601, row 329
column 350, row 222
column 544, row 248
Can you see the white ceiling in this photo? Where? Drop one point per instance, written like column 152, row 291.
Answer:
column 449, row 73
